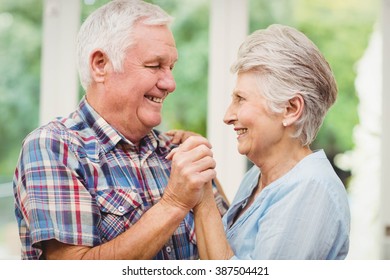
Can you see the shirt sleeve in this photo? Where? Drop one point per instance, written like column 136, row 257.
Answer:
column 52, row 197
column 220, row 198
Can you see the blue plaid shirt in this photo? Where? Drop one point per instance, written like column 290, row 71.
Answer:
column 81, row 182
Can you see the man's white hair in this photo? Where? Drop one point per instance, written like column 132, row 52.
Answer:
column 109, row 29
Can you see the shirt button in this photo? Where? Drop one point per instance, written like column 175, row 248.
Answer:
column 169, row 250
column 121, row 209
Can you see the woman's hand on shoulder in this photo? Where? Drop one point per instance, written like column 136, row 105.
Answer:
column 179, row 136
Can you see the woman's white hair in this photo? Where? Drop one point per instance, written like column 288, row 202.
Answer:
column 109, row 28
column 287, row 63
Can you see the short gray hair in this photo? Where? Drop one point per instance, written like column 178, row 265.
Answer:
column 109, row 28
column 287, row 63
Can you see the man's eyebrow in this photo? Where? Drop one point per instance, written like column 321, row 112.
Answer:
column 153, row 59
column 159, row 58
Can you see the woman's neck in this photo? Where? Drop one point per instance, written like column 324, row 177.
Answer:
column 279, row 164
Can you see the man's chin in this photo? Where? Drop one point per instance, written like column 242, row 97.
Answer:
column 153, row 122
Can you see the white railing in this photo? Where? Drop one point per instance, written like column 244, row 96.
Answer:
column 6, row 189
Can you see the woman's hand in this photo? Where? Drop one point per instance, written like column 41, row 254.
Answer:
column 179, row 136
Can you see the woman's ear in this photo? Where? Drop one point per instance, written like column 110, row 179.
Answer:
column 293, row 110
column 98, row 63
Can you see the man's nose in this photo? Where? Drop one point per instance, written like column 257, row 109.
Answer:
column 167, row 81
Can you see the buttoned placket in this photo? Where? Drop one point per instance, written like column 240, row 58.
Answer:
column 169, row 250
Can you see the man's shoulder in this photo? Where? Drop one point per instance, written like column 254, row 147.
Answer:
column 60, row 128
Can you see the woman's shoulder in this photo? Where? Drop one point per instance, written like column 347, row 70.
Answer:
column 316, row 177
column 318, row 168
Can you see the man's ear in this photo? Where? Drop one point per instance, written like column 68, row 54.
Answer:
column 98, row 64
column 293, row 110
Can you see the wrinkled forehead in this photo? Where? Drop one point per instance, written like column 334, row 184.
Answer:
column 155, row 41
column 162, row 33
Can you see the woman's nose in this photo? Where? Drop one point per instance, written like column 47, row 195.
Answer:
column 230, row 116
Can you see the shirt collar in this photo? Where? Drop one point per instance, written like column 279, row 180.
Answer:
column 109, row 137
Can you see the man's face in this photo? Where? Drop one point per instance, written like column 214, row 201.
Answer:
column 134, row 97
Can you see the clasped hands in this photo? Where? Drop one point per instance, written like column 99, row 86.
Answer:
column 192, row 170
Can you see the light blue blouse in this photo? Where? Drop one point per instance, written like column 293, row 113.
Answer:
column 302, row 215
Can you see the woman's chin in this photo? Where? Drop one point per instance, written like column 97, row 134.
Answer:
column 241, row 150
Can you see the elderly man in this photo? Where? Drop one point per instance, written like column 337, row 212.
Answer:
column 98, row 184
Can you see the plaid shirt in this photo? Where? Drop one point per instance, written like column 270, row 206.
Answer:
column 81, row 182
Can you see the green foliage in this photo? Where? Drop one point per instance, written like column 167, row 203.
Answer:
column 20, row 48
column 342, row 39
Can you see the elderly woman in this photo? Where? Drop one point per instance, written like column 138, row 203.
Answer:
column 290, row 204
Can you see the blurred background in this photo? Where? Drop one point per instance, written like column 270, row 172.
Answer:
column 347, row 32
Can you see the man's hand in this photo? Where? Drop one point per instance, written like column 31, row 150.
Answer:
column 192, row 168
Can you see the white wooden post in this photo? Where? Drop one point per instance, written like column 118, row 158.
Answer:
column 59, row 81
column 385, row 148
column 228, row 29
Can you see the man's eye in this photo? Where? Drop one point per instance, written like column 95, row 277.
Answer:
column 153, row 66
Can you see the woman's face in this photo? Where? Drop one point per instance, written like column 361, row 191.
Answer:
column 259, row 131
